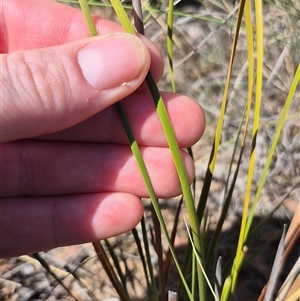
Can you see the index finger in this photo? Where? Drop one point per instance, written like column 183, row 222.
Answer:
column 31, row 24
column 45, row 23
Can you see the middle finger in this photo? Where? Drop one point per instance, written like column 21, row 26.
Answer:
column 40, row 168
column 186, row 116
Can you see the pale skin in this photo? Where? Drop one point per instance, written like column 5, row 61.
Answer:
column 67, row 174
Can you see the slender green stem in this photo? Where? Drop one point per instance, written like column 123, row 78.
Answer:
column 142, row 167
column 170, row 42
column 176, row 154
column 47, row 267
column 173, row 145
column 88, row 17
column 183, row 178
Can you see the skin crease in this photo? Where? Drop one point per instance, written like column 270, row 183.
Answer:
column 67, row 175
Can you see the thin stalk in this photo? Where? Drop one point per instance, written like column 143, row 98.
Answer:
column 170, row 42
column 175, row 151
column 276, row 269
column 183, row 177
column 229, row 191
column 198, row 259
column 292, row 90
column 116, row 264
column 173, row 235
column 259, row 26
column 217, row 138
column 159, row 251
column 102, row 256
column 47, row 267
column 143, row 259
column 134, row 146
column 148, row 256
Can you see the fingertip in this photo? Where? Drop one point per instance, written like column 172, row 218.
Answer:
column 189, row 165
column 157, row 61
column 200, row 120
column 103, row 57
column 116, row 214
column 187, row 117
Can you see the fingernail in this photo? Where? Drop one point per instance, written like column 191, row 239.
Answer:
column 111, row 61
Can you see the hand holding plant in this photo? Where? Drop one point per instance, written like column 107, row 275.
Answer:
column 67, row 175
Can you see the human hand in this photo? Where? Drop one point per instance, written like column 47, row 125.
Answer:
column 67, row 174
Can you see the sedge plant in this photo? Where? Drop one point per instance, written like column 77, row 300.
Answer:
column 202, row 275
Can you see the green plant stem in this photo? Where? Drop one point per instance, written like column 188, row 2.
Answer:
column 288, row 102
column 176, row 154
column 170, row 42
column 240, row 253
column 173, row 145
column 183, row 177
column 102, row 256
column 149, row 261
column 47, row 267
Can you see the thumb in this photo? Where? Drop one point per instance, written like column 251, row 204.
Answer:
column 50, row 89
